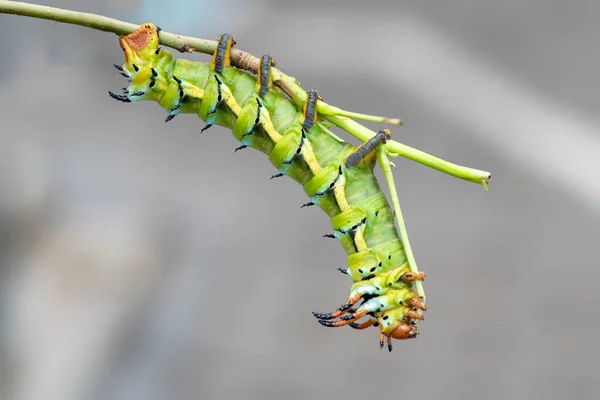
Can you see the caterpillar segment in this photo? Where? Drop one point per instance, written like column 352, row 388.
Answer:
column 336, row 176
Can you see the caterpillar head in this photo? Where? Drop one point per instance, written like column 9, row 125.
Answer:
column 140, row 44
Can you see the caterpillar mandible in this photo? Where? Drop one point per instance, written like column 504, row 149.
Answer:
column 336, row 176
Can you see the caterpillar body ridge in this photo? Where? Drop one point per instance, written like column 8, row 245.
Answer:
column 336, row 176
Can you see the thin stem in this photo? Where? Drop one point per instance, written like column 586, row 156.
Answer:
column 363, row 134
column 248, row 62
column 384, row 163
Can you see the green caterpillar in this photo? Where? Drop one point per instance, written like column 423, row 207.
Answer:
column 337, row 176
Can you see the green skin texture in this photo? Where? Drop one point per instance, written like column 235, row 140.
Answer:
column 369, row 216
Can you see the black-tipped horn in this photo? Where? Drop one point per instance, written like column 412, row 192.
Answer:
column 118, row 97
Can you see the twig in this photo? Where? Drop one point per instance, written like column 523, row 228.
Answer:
column 248, row 62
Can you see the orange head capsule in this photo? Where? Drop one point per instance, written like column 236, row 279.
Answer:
column 140, row 43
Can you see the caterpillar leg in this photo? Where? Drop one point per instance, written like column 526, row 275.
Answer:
column 341, row 309
column 264, row 80
column 403, row 299
column 368, row 148
column 310, row 110
column 217, row 93
column 222, row 55
column 364, row 325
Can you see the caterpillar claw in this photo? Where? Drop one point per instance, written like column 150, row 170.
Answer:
column 279, row 175
column 343, row 309
column 415, row 315
column 411, row 277
column 119, row 97
column 363, row 325
column 353, row 314
column 389, row 343
column 239, row 148
column 415, row 302
column 337, row 324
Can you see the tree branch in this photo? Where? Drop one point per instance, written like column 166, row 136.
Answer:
column 248, row 62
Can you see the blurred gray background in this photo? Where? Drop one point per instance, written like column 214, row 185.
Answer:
column 146, row 261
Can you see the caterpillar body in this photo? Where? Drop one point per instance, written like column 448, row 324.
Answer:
column 336, row 176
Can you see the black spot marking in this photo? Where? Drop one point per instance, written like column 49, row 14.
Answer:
column 135, row 67
column 154, row 73
column 152, row 83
